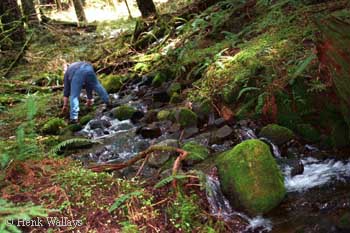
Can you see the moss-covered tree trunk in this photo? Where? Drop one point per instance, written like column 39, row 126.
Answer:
column 29, row 12
column 146, row 7
column 11, row 19
column 79, row 10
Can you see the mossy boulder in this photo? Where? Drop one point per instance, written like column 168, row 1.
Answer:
column 53, row 126
column 276, row 133
column 159, row 79
column 308, row 133
column 113, row 83
column 123, row 112
column 197, row 152
column 250, row 177
column 186, row 117
column 85, row 119
column 163, row 115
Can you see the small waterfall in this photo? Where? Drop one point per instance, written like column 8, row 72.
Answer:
column 221, row 208
column 316, row 173
column 275, row 150
column 245, row 133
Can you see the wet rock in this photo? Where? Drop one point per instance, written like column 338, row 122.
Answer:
column 308, row 133
column 297, row 167
column 99, row 124
column 250, row 177
column 202, row 139
column 223, row 133
column 219, row 122
column 138, row 115
column 123, row 112
column 202, row 109
column 157, row 159
column 185, row 117
column 150, row 116
column 174, row 128
column 189, row 132
column 53, row 126
column 197, row 152
column 160, row 96
column 276, row 133
column 150, row 131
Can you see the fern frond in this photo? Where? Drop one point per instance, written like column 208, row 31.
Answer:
column 169, row 179
column 122, row 199
column 76, row 142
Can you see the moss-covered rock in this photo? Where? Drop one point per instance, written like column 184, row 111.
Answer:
column 196, row 152
column 159, row 79
column 174, row 88
column 308, row 133
column 123, row 112
column 112, row 83
column 276, row 133
column 202, row 108
column 53, row 126
column 85, row 119
column 186, row 117
column 163, row 115
column 250, row 177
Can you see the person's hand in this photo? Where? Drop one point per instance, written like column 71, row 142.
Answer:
column 64, row 109
column 89, row 102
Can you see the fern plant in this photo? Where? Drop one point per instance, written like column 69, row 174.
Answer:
column 122, row 199
column 169, row 179
column 76, row 142
column 11, row 212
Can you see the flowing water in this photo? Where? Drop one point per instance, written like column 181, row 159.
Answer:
column 313, row 199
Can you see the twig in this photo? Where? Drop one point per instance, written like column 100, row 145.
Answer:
column 177, row 163
column 142, row 165
column 19, row 55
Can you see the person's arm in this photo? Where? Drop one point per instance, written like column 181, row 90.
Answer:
column 66, row 91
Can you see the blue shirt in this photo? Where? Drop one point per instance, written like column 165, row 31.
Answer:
column 69, row 74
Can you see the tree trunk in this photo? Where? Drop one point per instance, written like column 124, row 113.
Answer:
column 79, row 10
column 11, row 19
column 127, row 7
column 29, row 12
column 146, row 7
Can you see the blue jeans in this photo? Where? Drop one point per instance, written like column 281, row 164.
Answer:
column 85, row 75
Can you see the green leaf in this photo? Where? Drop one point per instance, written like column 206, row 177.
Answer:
column 304, row 65
column 247, row 89
column 120, row 200
column 168, row 179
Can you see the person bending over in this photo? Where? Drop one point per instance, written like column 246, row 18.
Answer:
column 79, row 75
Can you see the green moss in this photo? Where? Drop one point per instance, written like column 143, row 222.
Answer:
column 186, row 117
column 276, row 133
column 163, row 115
column 174, row 88
column 196, row 151
column 85, row 119
column 72, row 128
column 175, row 99
column 123, row 112
column 159, row 79
column 250, row 177
column 113, row 83
column 308, row 132
column 344, row 221
column 53, row 126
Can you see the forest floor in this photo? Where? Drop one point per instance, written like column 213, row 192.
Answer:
column 203, row 46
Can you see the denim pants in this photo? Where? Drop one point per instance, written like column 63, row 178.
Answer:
column 85, row 75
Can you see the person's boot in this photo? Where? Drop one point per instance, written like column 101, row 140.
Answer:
column 73, row 121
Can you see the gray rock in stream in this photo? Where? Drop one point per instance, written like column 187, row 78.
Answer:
column 99, row 124
column 159, row 158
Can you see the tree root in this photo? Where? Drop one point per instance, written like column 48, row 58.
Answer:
column 144, row 154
